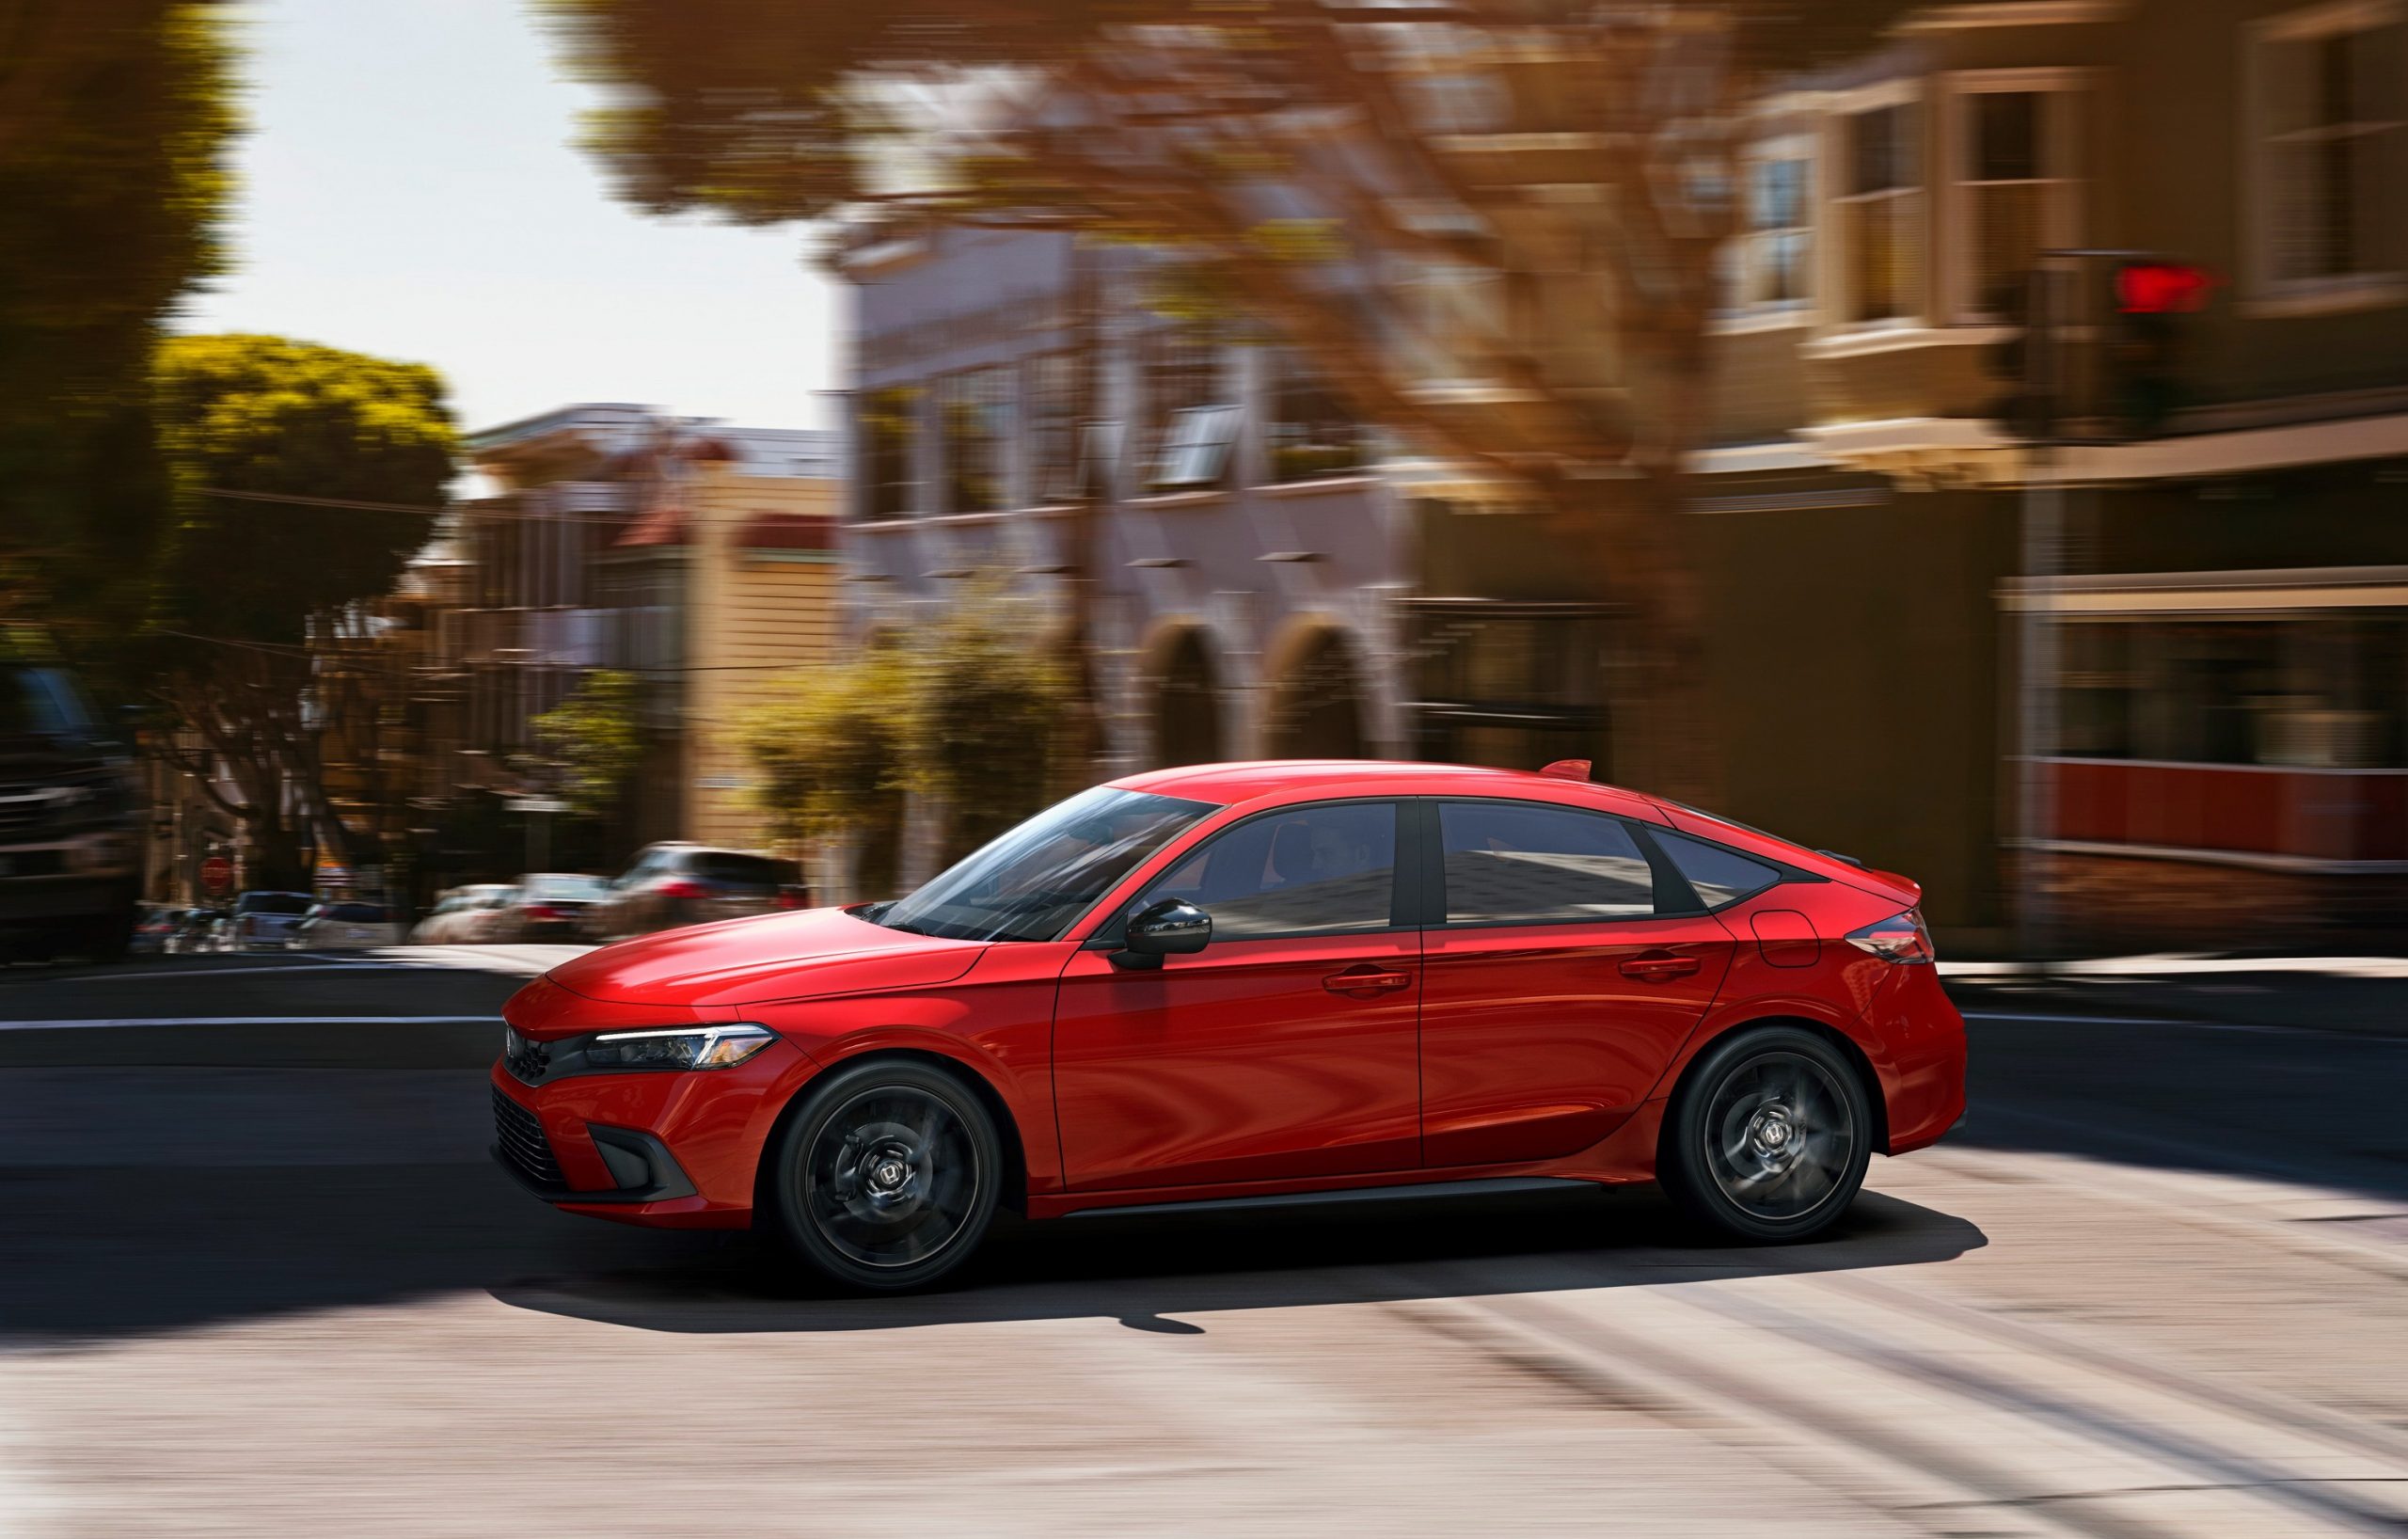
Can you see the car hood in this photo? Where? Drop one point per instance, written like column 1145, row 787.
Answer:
column 776, row 956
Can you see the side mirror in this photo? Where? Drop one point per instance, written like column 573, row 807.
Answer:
column 1172, row 927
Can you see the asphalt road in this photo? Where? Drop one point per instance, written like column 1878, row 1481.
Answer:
column 257, row 1277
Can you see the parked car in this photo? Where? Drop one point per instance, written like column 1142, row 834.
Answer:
column 195, row 931
column 264, row 921
column 675, row 884
column 154, row 925
column 346, row 927
column 471, row 916
column 69, row 818
column 1231, row 984
column 554, row 906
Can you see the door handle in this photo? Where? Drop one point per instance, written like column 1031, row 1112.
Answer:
column 1658, row 967
column 1365, row 980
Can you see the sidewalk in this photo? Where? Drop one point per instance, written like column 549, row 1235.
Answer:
column 2357, row 995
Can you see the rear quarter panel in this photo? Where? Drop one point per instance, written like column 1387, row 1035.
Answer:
column 1846, row 990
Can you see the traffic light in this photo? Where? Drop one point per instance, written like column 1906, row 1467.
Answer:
column 2144, row 344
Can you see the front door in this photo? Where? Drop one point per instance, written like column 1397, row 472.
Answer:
column 1556, row 986
column 1285, row 1048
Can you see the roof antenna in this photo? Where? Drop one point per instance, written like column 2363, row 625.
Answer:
column 1567, row 770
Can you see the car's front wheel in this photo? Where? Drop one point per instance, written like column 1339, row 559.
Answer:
column 1767, row 1137
column 887, row 1176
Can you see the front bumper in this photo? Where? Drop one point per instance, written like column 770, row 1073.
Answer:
column 671, row 1150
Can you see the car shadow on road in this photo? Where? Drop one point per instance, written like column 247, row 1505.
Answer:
column 1147, row 1272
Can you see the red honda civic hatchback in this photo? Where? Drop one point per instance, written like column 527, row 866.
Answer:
column 1253, row 984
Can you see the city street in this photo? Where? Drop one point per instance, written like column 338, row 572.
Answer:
column 259, row 1278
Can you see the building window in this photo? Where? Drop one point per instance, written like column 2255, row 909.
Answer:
column 1881, row 213
column 2329, row 84
column 975, row 407
column 1189, row 421
column 1311, row 433
column 2013, row 184
column 1772, row 261
column 887, row 431
column 2311, row 692
column 1052, row 391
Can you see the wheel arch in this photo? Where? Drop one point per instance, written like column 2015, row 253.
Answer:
column 1008, row 1129
column 1849, row 1049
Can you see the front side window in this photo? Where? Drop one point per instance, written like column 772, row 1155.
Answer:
column 1881, row 209
column 1524, row 864
column 2330, row 85
column 1033, row 882
column 1320, row 870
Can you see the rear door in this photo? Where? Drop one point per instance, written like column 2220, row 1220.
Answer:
column 1566, row 963
column 1286, row 1048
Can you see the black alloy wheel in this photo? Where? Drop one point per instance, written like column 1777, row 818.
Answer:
column 888, row 1175
column 1768, row 1135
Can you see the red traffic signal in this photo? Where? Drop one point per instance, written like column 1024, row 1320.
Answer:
column 2162, row 288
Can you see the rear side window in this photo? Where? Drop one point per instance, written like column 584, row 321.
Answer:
column 1721, row 875
column 1523, row 864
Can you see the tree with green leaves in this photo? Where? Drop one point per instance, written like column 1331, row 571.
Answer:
column 115, row 116
column 969, row 717
column 595, row 743
column 303, row 478
column 1494, row 226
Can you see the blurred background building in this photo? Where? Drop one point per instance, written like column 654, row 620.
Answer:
column 2224, row 722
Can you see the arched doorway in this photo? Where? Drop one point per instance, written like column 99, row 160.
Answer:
column 1187, row 699
column 1317, row 698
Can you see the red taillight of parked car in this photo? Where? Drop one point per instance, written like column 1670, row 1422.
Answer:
column 1900, row 938
column 683, row 887
column 543, row 914
column 790, row 897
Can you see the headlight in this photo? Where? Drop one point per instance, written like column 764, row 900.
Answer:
column 676, row 1047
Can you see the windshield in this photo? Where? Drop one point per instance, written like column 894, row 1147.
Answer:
column 1033, row 882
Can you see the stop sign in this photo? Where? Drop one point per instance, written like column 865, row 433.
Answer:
column 218, row 873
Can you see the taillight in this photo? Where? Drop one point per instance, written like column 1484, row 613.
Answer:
column 542, row 910
column 789, row 898
column 681, row 887
column 1900, row 938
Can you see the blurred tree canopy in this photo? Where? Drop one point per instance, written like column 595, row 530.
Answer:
column 969, row 715
column 1525, row 199
column 115, row 116
column 595, row 738
column 243, row 581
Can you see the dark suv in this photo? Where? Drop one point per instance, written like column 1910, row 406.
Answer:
column 69, row 871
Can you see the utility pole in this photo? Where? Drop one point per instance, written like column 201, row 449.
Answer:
column 2043, row 561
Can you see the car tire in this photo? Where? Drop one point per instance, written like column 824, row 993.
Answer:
column 1767, row 1137
column 885, row 1177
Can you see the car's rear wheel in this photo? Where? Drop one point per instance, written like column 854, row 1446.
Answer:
column 1767, row 1137
column 887, row 1175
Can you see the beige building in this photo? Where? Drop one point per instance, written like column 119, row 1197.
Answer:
column 744, row 535
column 697, row 556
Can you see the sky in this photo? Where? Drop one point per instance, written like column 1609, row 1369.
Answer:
column 410, row 189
